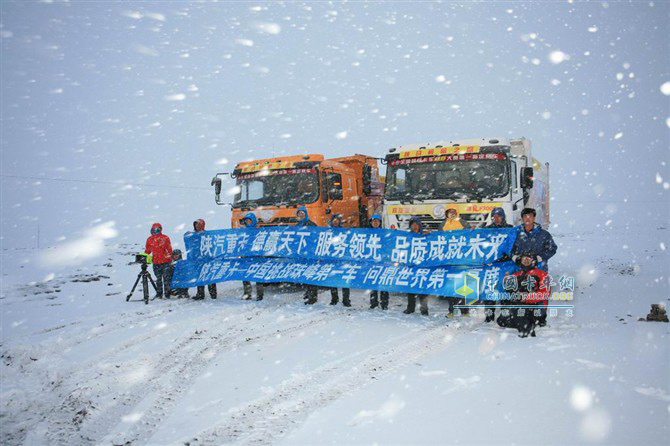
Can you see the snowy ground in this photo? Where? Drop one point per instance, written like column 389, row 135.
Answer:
column 82, row 366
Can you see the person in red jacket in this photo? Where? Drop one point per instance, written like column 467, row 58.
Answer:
column 199, row 226
column 533, row 287
column 158, row 245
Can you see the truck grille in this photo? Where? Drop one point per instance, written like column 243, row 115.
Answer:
column 430, row 224
column 279, row 221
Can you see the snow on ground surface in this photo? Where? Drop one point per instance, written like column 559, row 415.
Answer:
column 82, row 366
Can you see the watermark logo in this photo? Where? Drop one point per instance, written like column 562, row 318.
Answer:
column 470, row 288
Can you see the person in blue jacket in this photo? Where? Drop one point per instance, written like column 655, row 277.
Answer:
column 376, row 223
column 534, row 240
column 498, row 219
column 311, row 291
column 336, row 222
column 250, row 221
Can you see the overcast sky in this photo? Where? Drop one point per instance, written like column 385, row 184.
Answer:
column 166, row 94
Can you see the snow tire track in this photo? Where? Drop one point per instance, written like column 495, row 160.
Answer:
column 275, row 415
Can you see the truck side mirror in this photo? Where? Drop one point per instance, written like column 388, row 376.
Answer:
column 526, row 177
column 216, row 182
column 367, row 179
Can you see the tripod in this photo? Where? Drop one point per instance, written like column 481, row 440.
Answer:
column 144, row 274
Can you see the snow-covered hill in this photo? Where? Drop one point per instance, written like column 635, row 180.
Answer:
column 82, row 366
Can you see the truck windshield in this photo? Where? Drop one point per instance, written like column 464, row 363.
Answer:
column 277, row 187
column 470, row 176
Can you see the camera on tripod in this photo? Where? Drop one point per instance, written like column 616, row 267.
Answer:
column 142, row 260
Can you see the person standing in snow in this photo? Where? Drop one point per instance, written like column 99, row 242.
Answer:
column 534, row 240
column 176, row 258
column 375, row 222
column 250, row 221
column 535, row 289
column 199, row 226
column 498, row 220
column 336, row 222
column 416, row 226
column 454, row 222
column 158, row 245
column 311, row 291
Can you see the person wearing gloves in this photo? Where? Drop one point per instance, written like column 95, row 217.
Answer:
column 158, row 245
column 534, row 240
column 199, row 226
column 375, row 222
column 336, row 222
column 416, row 226
column 311, row 291
column 250, row 221
column 533, row 285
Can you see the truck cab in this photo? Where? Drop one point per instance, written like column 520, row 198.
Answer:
column 274, row 188
column 473, row 176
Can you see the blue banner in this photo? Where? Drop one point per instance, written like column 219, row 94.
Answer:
column 453, row 263
column 461, row 247
column 455, row 281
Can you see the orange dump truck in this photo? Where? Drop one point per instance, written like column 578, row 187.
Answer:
column 273, row 189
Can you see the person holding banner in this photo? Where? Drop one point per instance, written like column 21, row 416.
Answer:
column 453, row 222
column 311, row 291
column 375, row 222
column 199, row 226
column 250, row 221
column 336, row 222
column 533, row 239
column 498, row 220
column 416, row 226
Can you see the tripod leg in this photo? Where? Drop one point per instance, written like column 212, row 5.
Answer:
column 153, row 283
column 134, row 286
column 145, row 288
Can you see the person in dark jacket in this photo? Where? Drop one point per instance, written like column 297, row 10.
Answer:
column 199, row 226
column 533, row 286
column 534, row 240
column 158, row 245
column 176, row 258
column 498, row 220
column 311, row 291
column 416, row 226
column 336, row 222
column 375, row 222
column 250, row 221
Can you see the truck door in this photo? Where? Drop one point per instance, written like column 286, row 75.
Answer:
column 333, row 193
